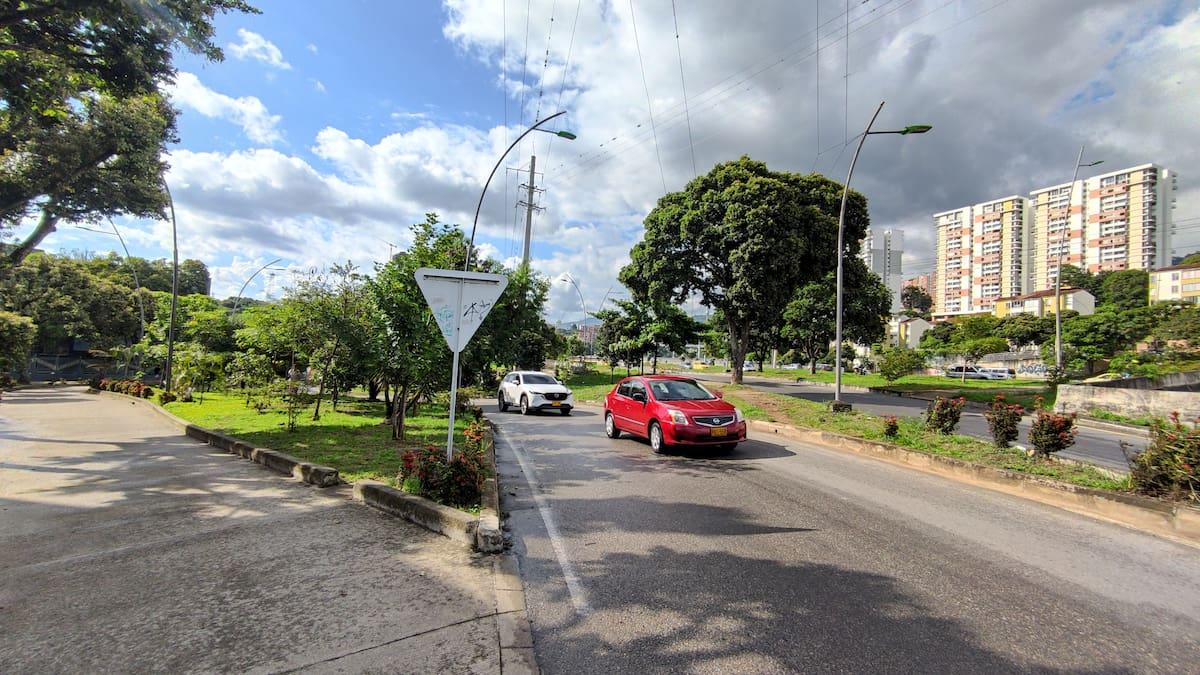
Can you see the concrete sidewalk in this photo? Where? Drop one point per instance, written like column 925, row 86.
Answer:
column 126, row 547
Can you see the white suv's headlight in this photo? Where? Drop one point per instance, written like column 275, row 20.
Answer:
column 737, row 415
column 678, row 417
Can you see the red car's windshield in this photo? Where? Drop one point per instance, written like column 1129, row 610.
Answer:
column 679, row 390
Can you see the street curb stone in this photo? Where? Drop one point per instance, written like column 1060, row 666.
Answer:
column 313, row 474
column 1173, row 521
column 449, row 522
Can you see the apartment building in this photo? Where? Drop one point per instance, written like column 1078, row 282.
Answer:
column 1179, row 283
column 952, row 250
column 881, row 251
column 980, row 255
column 1115, row 221
column 999, row 240
column 1042, row 303
column 922, row 281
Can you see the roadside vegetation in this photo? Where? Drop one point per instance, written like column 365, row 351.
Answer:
column 912, row 434
column 355, row 439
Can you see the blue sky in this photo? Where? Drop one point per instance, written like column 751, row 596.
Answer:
column 330, row 127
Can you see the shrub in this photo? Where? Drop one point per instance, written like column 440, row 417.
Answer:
column 95, row 381
column 943, row 413
column 147, row 392
column 1002, row 419
column 891, row 426
column 1170, row 465
column 6, row 381
column 1051, row 432
column 456, row 483
column 897, row 363
column 165, row 397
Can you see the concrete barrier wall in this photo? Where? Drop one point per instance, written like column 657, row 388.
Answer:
column 1128, row 402
column 1176, row 381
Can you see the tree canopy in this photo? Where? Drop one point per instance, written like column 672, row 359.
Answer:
column 744, row 238
column 83, row 125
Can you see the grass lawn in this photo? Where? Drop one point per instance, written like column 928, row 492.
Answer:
column 352, row 440
column 594, row 384
column 912, row 435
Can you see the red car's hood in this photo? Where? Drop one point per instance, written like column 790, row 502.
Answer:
column 715, row 405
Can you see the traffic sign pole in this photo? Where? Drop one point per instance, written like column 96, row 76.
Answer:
column 460, row 301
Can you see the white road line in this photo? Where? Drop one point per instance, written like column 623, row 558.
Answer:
column 574, row 586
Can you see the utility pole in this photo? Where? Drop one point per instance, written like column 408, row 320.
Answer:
column 530, row 207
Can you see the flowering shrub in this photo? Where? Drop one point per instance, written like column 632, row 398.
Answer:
column 1002, row 419
column 129, row 387
column 165, row 397
column 1170, row 465
column 891, row 426
column 943, row 413
column 458, row 482
column 1051, row 432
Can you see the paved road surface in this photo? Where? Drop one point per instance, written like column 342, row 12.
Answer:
column 1102, row 448
column 794, row 558
column 125, row 547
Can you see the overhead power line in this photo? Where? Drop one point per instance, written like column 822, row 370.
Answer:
column 683, row 85
column 649, row 103
column 545, row 63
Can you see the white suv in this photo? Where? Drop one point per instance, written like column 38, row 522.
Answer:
column 531, row 391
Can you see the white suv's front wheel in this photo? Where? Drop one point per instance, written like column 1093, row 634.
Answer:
column 525, row 409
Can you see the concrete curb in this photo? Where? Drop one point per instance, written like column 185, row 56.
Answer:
column 313, row 474
column 482, row 532
column 512, row 618
column 1172, row 521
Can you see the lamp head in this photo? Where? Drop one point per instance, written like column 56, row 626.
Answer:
column 565, row 134
column 916, row 129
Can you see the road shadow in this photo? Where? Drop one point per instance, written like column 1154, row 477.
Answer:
column 512, row 410
column 706, row 611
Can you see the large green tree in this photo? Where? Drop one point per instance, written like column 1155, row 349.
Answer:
column 83, row 126
column 1126, row 289
column 16, row 341
column 916, row 301
column 810, row 317
column 744, row 238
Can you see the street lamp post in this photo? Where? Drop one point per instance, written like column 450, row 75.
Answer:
column 838, row 404
column 132, row 268
column 561, row 134
column 1062, row 241
column 241, row 290
column 174, row 290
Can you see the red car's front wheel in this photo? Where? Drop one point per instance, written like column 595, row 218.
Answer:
column 657, row 443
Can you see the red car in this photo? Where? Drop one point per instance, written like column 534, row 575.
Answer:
column 672, row 410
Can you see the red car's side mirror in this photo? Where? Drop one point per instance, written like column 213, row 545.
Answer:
column 719, row 394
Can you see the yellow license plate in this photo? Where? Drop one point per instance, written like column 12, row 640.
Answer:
column 556, row 403
column 718, row 432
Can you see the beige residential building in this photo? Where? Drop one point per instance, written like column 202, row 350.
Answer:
column 980, row 255
column 1115, row 221
column 998, row 251
column 1177, row 283
column 952, row 276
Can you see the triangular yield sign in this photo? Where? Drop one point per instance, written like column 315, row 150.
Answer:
column 459, row 315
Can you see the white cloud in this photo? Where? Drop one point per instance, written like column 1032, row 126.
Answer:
column 247, row 111
column 257, row 47
column 999, row 86
column 311, row 47
column 318, row 86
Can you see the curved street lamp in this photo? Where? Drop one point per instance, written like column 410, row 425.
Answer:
column 132, row 268
column 838, row 405
column 1062, row 243
column 561, row 134
column 238, row 300
column 174, row 289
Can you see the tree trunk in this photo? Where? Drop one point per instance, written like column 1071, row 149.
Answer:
column 654, row 367
column 46, row 225
column 324, row 374
column 387, row 401
column 373, row 389
column 398, row 418
column 738, row 340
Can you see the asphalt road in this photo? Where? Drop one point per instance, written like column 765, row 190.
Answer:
column 794, row 558
column 126, row 547
column 1102, row 448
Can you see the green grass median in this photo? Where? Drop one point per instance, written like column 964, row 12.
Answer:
column 912, row 435
column 353, row 439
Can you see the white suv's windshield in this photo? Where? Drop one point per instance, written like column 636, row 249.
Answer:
column 679, row 390
column 538, row 378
